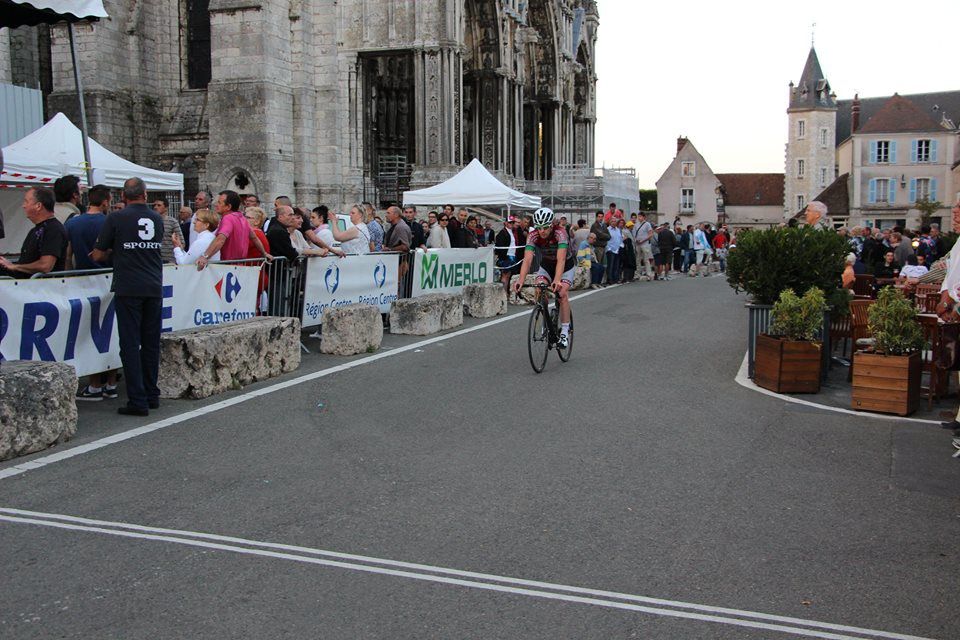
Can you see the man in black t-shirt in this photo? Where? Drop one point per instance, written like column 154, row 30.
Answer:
column 45, row 247
column 134, row 236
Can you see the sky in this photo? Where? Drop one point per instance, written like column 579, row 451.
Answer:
column 718, row 72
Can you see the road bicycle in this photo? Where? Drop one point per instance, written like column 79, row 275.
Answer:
column 543, row 331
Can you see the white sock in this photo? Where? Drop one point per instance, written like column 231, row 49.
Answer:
column 93, row 389
column 565, row 328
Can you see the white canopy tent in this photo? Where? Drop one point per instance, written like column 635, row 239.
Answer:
column 475, row 186
column 54, row 150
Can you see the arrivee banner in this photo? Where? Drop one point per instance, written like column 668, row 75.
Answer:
column 450, row 270
column 72, row 319
column 334, row 282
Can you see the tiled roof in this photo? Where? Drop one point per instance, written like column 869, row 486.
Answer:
column 936, row 105
column 752, row 189
column 899, row 115
column 836, row 197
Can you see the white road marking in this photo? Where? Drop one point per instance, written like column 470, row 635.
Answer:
column 73, row 452
column 489, row 582
column 744, row 381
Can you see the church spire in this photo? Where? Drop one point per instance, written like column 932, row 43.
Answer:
column 813, row 90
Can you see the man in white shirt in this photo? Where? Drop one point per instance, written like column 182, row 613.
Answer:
column 644, row 249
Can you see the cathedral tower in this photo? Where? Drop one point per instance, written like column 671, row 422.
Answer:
column 810, row 153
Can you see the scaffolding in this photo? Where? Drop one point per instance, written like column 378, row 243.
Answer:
column 577, row 190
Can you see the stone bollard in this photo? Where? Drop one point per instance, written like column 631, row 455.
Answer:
column 427, row 314
column 485, row 300
column 528, row 295
column 197, row 363
column 351, row 329
column 581, row 278
column 37, row 406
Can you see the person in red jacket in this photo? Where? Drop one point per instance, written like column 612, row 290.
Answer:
column 720, row 242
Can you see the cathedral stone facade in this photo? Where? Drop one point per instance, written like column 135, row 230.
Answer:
column 327, row 101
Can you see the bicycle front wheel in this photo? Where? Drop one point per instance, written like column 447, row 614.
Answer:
column 538, row 338
column 565, row 353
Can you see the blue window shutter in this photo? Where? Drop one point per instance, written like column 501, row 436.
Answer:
column 891, row 190
column 873, row 191
column 933, row 151
column 913, row 189
column 913, row 151
column 933, row 189
column 893, row 152
column 873, row 152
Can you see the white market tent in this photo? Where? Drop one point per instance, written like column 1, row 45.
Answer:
column 475, row 186
column 54, row 150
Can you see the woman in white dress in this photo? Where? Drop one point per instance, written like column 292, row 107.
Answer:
column 356, row 239
column 205, row 223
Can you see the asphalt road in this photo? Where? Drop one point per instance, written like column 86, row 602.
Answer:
column 634, row 492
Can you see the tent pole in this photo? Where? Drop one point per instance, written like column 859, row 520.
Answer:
column 83, row 108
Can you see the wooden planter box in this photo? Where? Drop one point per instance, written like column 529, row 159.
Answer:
column 787, row 366
column 888, row 384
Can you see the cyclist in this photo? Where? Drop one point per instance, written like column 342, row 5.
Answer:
column 557, row 263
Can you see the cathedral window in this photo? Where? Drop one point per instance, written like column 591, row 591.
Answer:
column 198, row 43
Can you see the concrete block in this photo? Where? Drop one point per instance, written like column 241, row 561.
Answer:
column 37, row 406
column 351, row 329
column 197, row 363
column 485, row 300
column 426, row 314
column 528, row 295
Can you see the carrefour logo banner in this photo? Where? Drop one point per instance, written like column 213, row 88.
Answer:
column 334, row 282
column 218, row 294
column 450, row 270
column 73, row 320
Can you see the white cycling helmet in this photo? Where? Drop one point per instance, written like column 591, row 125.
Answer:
column 543, row 217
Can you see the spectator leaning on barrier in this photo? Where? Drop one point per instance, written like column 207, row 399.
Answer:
column 489, row 236
column 320, row 221
column 170, row 229
column 399, row 237
column 356, row 239
column 202, row 200
column 234, row 234
column 373, row 226
column 505, row 251
column 133, row 236
column 66, row 189
column 470, row 239
column 45, row 247
column 278, row 235
column 82, row 230
column 205, row 225
column 439, row 234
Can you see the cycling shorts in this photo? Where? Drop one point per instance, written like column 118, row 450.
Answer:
column 566, row 277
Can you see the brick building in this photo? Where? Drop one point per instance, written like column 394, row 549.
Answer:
column 327, row 101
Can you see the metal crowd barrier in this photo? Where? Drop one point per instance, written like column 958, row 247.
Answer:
column 70, row 273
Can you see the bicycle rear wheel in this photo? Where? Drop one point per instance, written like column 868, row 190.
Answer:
column 565, row 353
column 538, row 338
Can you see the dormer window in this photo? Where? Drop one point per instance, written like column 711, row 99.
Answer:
column 688, row 169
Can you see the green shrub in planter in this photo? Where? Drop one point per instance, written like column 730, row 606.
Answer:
column 798, row 318
column 893, row 323
column 766, row 262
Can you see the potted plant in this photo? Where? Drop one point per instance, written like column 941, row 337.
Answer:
column 766, row 262
column 788, row 357
column 887, row 379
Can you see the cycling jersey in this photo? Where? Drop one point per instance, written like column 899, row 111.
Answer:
column 548, row 247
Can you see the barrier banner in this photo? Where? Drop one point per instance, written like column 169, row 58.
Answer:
column 450, row 270
column 218, row 294
column 72, row 319
column 334, row 282
column 60, row 320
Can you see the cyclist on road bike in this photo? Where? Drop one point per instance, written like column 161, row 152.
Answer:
column 557, row 263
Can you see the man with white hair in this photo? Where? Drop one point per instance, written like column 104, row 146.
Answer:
column 816, row 215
